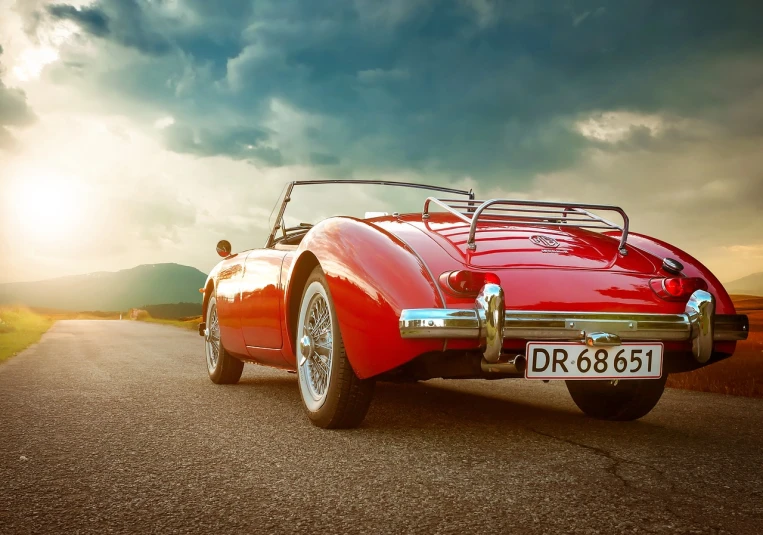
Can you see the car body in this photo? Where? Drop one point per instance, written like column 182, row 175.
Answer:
column 459, row 289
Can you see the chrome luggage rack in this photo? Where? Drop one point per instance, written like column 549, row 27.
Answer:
column 520, row 212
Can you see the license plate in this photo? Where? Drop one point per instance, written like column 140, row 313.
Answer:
column 571, row 360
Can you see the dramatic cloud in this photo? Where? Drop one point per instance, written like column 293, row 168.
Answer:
column 656, row 106
column 480, row 88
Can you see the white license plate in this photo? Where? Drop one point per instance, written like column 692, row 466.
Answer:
column 572, row 360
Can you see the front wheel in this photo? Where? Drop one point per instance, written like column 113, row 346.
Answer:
column 332, row 394
column 223, row 368
column 623, row 400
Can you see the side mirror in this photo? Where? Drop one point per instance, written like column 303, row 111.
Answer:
column 223, row 248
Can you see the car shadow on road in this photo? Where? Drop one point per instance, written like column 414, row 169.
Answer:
column 440, row 409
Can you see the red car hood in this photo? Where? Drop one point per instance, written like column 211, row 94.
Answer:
column 542, row 246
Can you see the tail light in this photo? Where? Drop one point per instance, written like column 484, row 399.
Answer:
column 467, row 283
column 677, row 288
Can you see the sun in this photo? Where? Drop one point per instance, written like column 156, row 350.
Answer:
column 45, row 207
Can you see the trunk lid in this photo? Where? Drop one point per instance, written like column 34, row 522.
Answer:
column 502, row 246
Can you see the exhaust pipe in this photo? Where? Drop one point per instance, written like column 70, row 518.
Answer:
column 506, row 364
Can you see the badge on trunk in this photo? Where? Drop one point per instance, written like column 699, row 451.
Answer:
column 544, row 241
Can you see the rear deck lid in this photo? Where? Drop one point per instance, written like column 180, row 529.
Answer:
column 539, row 246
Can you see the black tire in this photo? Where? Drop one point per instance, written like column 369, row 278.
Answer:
column 346, row 398
column 226, row 370
column 627, row 400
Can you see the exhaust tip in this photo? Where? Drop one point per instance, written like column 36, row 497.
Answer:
column 506, row 364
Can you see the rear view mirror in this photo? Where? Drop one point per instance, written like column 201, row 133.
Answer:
column 223, row 248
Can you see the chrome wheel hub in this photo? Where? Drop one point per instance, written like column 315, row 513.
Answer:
column 305, row 347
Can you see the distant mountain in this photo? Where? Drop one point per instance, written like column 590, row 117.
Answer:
column 749, row 285
column 149, row 284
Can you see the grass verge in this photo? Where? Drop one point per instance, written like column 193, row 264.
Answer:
column 20, row 328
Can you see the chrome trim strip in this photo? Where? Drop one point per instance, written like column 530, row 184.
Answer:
column 465, row 323
column 699, row 324
column 439, row 323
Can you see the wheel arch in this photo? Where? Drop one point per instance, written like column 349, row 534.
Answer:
column 304, row 265
column 372, row 275
column 209, row 290
column 692, row 268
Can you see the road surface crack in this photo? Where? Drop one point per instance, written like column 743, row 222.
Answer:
column 617, row 462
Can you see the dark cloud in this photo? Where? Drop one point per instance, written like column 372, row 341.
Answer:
column 240, row 142
column 92, row 20
column 126, row 22
column 486, row 89
column 14, row 112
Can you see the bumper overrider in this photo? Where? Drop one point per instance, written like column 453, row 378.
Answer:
column 491, row 323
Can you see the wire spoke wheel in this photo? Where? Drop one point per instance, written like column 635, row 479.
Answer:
column 316, row 348
column 212, row 339
column 333, row 396
column 223, row 367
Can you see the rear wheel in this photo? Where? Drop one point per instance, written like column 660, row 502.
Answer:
column 623, row 400
column 223, row 367
column 332, row 394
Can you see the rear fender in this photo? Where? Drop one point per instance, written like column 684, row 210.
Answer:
column 372, row 276
column 692, row 268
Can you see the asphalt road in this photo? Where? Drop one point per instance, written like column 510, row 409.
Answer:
column 115, row 427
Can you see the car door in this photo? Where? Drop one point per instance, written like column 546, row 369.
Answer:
column 261, row 298
column 228, row 296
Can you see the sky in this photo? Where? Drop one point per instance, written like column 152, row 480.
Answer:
column 143, row 131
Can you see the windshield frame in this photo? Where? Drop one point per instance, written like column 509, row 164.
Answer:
column 285, row 197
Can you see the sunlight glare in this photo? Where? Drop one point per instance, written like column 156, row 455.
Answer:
column 33, row 60
column 46, row 207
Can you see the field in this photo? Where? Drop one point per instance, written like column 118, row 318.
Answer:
column 742, row 374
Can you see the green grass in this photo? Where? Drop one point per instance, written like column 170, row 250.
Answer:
column 19, row 329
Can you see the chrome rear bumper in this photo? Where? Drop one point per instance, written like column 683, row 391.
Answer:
column 491, row 323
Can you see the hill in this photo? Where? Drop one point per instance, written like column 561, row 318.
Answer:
column 149, row 284
column 749, row 285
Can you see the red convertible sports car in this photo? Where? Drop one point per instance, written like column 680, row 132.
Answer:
column 466, row 289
